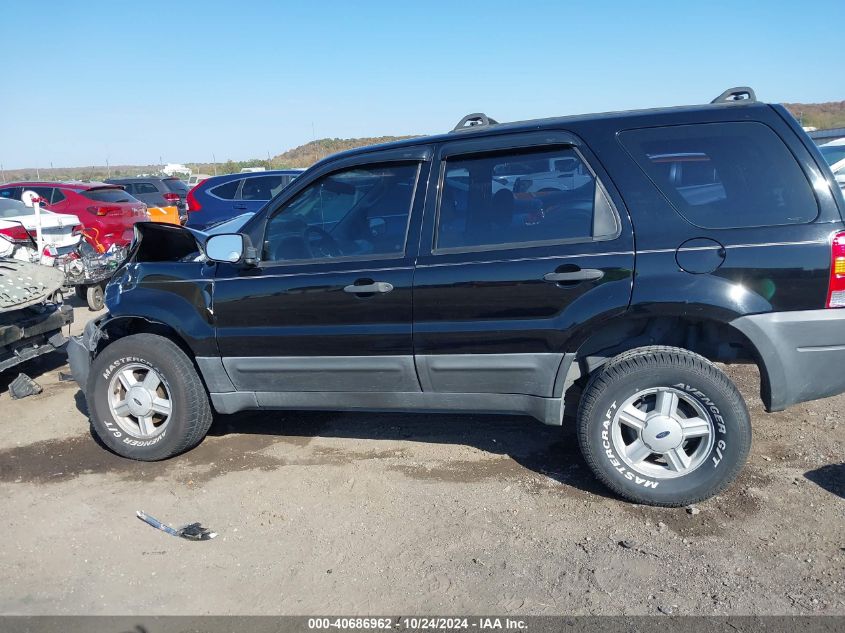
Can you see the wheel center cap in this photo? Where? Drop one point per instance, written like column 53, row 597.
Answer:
column 140, row 401
column 662, row 433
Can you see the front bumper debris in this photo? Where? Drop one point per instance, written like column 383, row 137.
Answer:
column 81, row 349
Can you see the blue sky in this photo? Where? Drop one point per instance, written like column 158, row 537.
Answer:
column 187, row 80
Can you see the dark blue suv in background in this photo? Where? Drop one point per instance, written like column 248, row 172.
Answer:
column 220, row 198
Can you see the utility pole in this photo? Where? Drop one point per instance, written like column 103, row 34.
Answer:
column 108, row 169
column 214, row 162
column 3, row 173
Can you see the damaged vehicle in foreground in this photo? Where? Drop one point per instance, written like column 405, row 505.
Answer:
column 31, row 312
column 494, row 269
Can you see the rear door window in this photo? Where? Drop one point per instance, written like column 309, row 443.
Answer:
column 142, row 188
column 521, row 198
column 226, row 191
column 262, row 187
column 725, row 175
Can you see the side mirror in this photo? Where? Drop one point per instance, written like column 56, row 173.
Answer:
column 228, row 247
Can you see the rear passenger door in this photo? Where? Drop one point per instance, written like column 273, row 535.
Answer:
column 524, row 238
column 226, row 203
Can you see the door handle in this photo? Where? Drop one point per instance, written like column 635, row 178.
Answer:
column 585, row 274
column 239, row 207
column 362, row 289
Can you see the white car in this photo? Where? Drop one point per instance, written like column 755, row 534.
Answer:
column 195, row 179
column 834, row 155
column 60, row 232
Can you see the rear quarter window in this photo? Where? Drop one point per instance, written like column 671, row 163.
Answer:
column 226, row 191
column 725, row 175
column 175, row 185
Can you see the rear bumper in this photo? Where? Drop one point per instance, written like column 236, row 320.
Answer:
column 802, row 354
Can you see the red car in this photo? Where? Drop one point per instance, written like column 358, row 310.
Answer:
column 106, row 212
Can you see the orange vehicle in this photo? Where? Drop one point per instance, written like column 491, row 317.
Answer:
column 167, row 214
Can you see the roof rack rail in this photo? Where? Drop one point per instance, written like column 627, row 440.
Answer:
column 474, row 120
column 740, row 93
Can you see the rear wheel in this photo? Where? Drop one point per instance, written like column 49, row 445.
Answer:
column 94, row 297
column 663, row 426
column 145, row 398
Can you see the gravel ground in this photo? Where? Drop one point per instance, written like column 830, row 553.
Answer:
column 403, row 514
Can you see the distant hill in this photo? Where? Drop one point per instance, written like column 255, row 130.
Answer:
column 308, row 154
column 820, row 115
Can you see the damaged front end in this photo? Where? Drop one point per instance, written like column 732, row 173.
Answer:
column 31, row 311
column 163, row 286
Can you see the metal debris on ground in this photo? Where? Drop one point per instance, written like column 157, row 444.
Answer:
column 23, row 386
column 192, row 531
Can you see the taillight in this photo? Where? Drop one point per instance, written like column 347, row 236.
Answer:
column 836, row 286
column 16, row 234
column 193, row 204
column 171, row 197
column 105, row 210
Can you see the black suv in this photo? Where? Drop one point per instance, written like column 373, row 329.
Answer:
column 603, row 262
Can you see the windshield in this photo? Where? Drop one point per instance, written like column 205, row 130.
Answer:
column 832, row 153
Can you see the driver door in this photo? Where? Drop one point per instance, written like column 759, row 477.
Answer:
column 328, row 308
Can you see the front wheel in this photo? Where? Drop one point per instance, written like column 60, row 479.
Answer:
column 145, row 398
column 663, row 426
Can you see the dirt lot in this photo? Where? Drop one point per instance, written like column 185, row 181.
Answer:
column 399, row 514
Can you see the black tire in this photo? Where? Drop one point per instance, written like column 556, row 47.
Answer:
column 190, row 416
column 94, row 297
column 664, row 367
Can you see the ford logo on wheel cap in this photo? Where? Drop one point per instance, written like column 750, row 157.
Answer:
column 661, row 435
